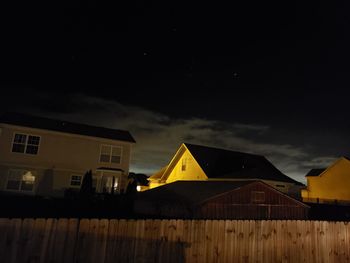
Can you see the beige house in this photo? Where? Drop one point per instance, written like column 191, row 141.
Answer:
column 40, row 156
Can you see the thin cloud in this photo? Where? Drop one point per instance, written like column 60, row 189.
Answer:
column 158, row 136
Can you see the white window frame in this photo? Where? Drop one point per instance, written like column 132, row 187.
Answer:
column 71, row 180
column 20, row 184
column 110, row 153
column 25, row 143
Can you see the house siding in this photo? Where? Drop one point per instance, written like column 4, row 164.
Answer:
column 63, row 154
column 238, row 205
column 192, row 170
column 331, row 186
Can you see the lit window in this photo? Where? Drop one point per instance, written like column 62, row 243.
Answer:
column 23, row 143
column 108, row 183
column 75, row 180
column 20, row 180
column 257, row 197
column 110, row 154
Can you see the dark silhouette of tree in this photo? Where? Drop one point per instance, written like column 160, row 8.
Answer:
column 134, row 180
column 132, row 187
column 86, row 190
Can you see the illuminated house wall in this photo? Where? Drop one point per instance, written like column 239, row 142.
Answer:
column 182, row 167
column 186, row 168
column 59, row 160
column 331, row 185
column 192, row 162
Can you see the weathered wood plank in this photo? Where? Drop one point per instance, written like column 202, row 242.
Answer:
column 26, row 238
column 227, row 239
column 6, row 234
column 13, row 241
column 112, row 236
column 140, row 241
column 37, row 240
column 102, row 238
column 83, row 242
column 93, row 240
column 186, row 238
column 208, row 241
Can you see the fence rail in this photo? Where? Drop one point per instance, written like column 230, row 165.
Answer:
column 94, row 240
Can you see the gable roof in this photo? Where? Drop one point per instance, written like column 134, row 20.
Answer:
column 191, row 192
column 196, row 192
column 226, row 164
column 158, row 174
column 319, row 171
column 315, row 172
column 65, row 126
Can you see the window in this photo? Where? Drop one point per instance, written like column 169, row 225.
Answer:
column 183, row 166
column 108, row 183
column 23, row 143
column 20, row 180
column 75, row 180
column 110, row 154
column 257, row 197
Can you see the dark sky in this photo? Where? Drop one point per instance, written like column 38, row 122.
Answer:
column 267, row 77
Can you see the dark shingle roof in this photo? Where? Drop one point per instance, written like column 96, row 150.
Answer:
column 65, row 126
column 316, row 172
column 225, row 164
column 110, row 169
column 191, row 192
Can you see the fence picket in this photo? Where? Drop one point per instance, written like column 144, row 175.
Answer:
column 141, row 241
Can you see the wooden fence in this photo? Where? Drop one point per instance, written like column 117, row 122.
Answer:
column 93, row 240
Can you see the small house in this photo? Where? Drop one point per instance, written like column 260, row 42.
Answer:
column 202, row 163
column 219, row 200
column 329, row 185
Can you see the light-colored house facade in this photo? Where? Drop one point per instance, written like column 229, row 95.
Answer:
column 40, row 156
column 329, row 185
column 195, row 162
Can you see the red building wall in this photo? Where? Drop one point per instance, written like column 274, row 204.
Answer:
column 241, row 204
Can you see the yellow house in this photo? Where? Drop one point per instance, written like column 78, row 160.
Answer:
column 329, row 185
column 196, row 162
column 40, row 156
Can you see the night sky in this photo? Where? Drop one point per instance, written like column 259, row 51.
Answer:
column 264, row 77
